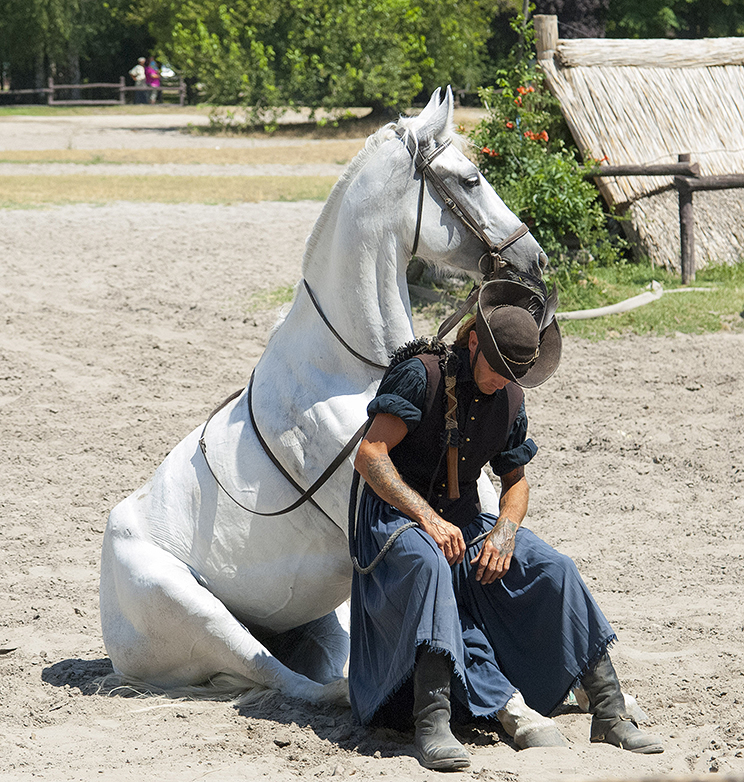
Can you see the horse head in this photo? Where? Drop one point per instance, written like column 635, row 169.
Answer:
column 411, row 190
column 493, row 243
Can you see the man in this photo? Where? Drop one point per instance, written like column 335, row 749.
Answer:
column 140, row 81
column 464, row 603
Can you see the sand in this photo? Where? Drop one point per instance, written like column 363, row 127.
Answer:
column 123, row 325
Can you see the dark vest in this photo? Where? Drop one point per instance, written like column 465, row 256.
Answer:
column 484, row 422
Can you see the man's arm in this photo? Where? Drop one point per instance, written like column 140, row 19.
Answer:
column 494, row 558
column 375, row 466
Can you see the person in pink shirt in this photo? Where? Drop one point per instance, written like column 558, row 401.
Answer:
column 152, row 77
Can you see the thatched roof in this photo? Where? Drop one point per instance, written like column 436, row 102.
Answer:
column 641, row 101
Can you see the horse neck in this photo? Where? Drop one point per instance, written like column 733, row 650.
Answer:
column 356, row 268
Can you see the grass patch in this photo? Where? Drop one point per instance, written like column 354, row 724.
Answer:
column 685, row 311
column 270, row 299
column 338, row 151
column 26, row 191
column 688, row 311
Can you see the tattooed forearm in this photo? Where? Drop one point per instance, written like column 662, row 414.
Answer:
column 382, row 476
column 503, row 535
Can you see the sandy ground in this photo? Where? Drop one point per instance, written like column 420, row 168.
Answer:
column 124, row 325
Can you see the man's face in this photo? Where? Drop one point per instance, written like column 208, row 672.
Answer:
column 487, row 380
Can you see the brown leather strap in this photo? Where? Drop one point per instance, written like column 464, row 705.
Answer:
column 335, row 333
column 461, row 312
column 494, row 263
column 306, row 495
column 423, row 164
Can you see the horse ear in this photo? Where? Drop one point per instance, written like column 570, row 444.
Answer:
column 430, row 107
column 436, row 120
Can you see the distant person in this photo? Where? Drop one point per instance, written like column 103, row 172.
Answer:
column 152, row 77
column 140, row 81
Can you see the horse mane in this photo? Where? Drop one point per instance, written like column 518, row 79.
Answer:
column 372, row 144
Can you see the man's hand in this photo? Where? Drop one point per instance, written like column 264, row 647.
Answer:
column 375, row 466
column 447, row 536
column 494, row 558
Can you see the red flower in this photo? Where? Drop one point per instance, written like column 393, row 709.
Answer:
column 509, row 125
column 518, row 101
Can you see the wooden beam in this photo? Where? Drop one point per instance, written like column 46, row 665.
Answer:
column 546, row 35
column 643, row 169
column 686, row 230
column 721, row 182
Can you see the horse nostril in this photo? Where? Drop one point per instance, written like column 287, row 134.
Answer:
column 542, row 259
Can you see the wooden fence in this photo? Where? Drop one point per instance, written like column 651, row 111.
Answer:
column 121, row 88
column 687, row 180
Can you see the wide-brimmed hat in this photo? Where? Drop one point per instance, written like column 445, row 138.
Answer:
column 514, row 343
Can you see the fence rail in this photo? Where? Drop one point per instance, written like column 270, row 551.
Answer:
column 121, row 87
column 687, row 180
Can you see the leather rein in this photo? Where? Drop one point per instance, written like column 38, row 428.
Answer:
column 494, row 263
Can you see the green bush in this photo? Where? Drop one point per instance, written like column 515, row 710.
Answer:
column 524, row 151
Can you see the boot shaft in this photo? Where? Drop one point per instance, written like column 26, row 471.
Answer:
column 602, row 687
column 431, row 684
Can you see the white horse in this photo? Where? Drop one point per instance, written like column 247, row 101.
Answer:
column 196, row 588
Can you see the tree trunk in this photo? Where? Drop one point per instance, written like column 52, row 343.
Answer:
column 73, row 68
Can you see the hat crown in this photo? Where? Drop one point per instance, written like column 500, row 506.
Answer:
column 509, row 336
column 516, row 334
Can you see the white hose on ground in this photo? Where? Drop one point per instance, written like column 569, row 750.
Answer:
column 654, row 294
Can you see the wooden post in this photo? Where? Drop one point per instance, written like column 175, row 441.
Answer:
column 546, row 35
column 50, row 94
column 181, row 91
column 122, row 93
column 686, row 227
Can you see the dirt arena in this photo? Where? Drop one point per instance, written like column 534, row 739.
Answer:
column 123, row 325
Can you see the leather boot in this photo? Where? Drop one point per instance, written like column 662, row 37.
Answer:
column 610, row 721
column 437, row 747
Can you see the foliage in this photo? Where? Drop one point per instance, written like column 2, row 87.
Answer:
column 318, row 53
column 675, row 18
column 523, row 150
column 67, row 39
column 577, row 18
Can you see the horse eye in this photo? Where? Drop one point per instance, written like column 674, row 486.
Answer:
column 472, row 181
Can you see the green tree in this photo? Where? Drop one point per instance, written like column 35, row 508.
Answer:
column 70, row 40
column 319, row 53
column 675, row 18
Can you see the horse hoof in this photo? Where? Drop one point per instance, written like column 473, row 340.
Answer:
column 539, row 735
column 336, row 692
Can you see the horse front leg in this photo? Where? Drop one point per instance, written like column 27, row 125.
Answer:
column 163, row 628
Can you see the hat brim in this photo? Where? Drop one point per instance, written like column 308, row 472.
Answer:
column 498, row 293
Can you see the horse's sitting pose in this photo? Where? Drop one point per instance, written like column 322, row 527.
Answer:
column 198, row 587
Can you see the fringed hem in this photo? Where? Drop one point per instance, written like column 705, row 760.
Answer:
column 593, row 659
column 407, row 675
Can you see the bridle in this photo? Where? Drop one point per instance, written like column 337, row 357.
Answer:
column 490, row 265
column 492, row 256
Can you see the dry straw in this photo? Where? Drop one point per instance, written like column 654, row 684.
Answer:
column 632, row 101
